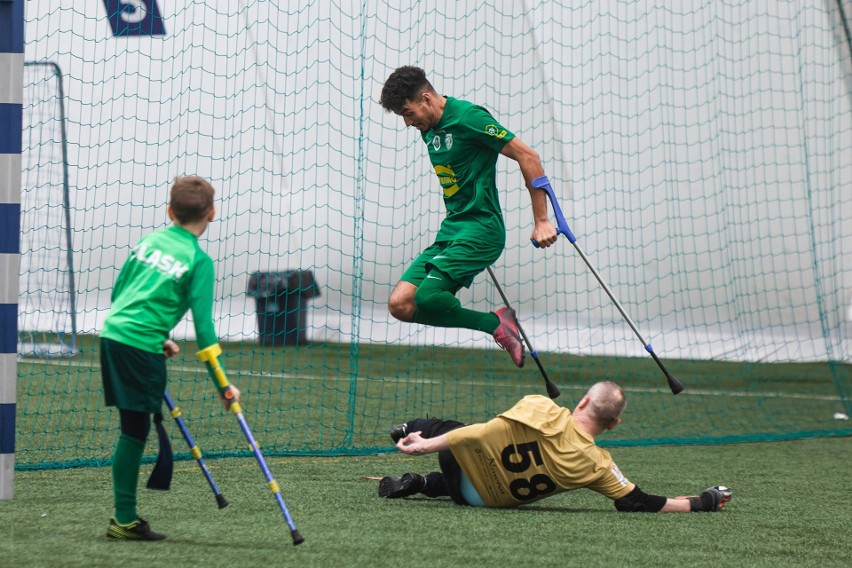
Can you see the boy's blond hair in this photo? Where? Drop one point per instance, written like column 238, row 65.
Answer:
column 191, row 199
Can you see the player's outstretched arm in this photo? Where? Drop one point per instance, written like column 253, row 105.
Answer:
column 416, row 445
column 711, row 499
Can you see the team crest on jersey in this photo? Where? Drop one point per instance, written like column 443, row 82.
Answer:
column 436, row 142
column 492, row 130
column 448, row 140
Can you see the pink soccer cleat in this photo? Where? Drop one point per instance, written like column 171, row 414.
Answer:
column 506, row 335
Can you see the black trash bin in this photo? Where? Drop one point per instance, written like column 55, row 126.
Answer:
column 282, row 299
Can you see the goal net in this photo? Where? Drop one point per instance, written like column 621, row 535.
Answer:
column 47, row 325
column 701, row 153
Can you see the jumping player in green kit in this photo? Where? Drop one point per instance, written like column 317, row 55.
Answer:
column 464, row 142
column 166, row 275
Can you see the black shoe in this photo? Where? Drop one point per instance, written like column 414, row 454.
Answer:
column 139, row 530
column 399, row 432
column 397, row 487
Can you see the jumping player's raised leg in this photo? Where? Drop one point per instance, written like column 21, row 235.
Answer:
column 426, row 294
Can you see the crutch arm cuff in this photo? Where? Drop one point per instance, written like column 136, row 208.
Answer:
column 210, row 357
column 540, row 182
column 209, row 354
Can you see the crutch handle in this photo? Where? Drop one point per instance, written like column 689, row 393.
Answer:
column 210, row 356
column 558, row 232
column 562, row 227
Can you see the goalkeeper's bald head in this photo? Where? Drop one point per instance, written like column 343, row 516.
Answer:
column 606, row 403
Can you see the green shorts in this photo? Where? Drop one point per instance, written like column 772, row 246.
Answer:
column 133, row 379
column 460, row 260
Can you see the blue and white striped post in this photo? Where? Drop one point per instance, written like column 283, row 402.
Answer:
column 11, row 116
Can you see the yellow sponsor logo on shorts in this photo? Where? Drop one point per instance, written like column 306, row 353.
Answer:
column 447, row 179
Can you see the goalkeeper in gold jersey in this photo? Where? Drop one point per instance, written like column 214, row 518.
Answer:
column 165, row 275
column 532, row 451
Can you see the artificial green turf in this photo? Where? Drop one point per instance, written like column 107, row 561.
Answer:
column 325, row 398
column 790, row 508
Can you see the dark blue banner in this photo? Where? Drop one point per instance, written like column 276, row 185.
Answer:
column 134, row 17
column 8, row 328
column 7, row 428
column 11, row 26
column 11, row 121
column 10, row 232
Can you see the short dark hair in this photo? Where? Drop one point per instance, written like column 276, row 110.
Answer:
column 403, row 85
column 191, row 198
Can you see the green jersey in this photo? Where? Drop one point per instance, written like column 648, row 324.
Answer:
column 166, row 274
column 463, row 148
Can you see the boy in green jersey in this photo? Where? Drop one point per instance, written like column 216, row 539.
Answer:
column 463, row 141
column 166, row 275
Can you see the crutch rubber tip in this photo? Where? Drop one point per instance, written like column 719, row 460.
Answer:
column 297, row 537
column 221, row 501
column 553, row 391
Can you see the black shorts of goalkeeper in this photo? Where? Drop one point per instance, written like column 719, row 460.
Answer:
column 133, row 379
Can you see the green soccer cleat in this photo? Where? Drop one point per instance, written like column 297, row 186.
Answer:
column 137, row 530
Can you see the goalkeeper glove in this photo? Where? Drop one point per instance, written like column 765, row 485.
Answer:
column 711, row 499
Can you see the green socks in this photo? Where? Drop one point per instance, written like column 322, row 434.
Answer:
column 438, row 306
column 126, row 461
column 459, row 317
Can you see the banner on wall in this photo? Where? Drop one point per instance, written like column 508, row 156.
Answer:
column 135, row 17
